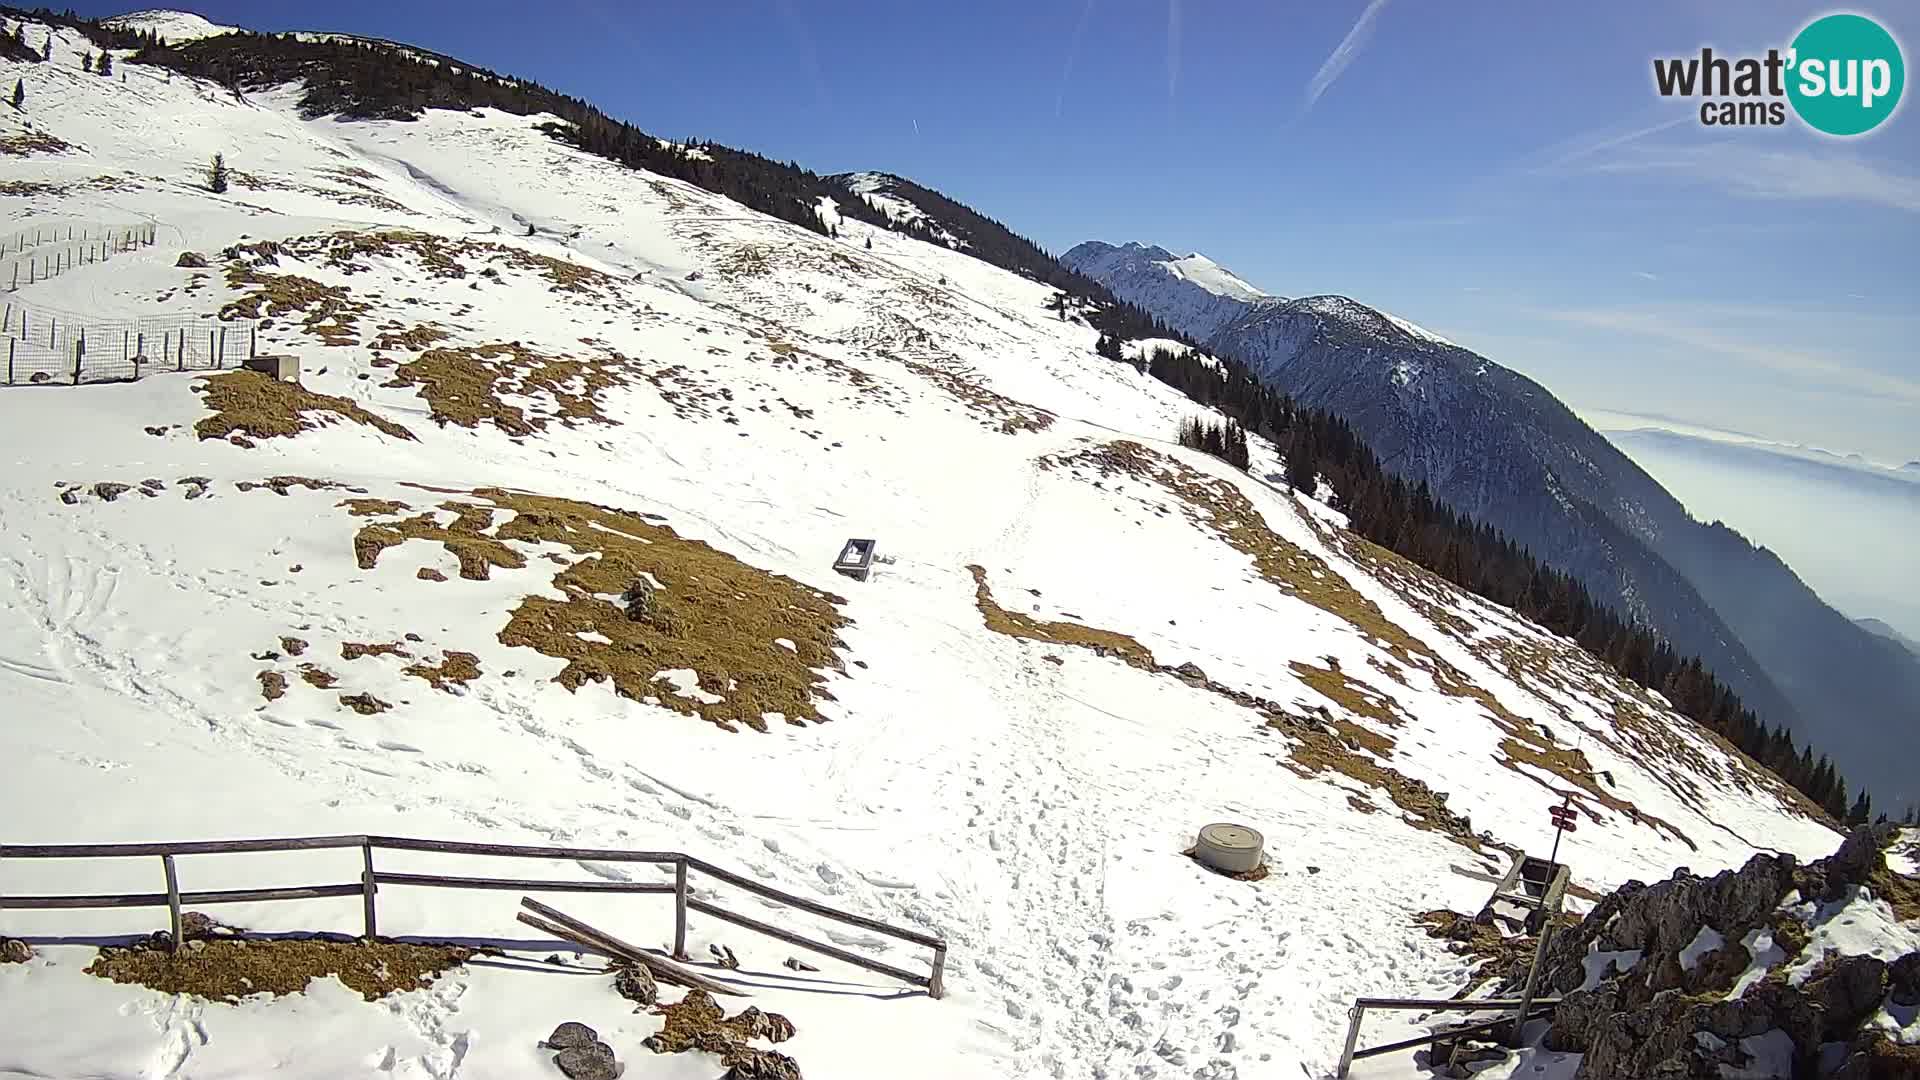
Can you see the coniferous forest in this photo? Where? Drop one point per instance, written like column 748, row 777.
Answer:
column 366, row 79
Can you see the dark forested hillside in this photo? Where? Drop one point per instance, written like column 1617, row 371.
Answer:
column 1406, row 519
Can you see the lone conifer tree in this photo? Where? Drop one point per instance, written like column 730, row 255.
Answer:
column 46, row 49
column 217, row 174
column 19, row 93
column 105, row 66
column 86, row 61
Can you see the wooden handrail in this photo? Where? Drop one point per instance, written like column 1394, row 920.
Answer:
column 370, row 880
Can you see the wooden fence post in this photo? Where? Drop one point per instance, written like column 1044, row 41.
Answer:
column 680, row 908
column 79, row 355
column 210, row 353
column 9, row 361
column 253, row 341
column 223, row 346
column 937, row 984
column 367, row 889
column 126, row 338
column 173, row 900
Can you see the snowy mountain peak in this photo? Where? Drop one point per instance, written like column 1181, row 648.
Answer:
column 1371, row 320
column 172, row 26
column 1213, row 277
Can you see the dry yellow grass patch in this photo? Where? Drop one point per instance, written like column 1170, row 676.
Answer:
column 471, row 384
column 708, row 612
column 273, row 685
column 256, row 406
column 413, row 340
column 229, row 969
column 1350, row 693
column 373, row 507
column 993, row 409
column 332, row 314
column 32, row 142
column 454, row 669
column 1014, row 624
column 354, row 650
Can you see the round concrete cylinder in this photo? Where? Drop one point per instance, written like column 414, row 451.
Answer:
column 1231, row 849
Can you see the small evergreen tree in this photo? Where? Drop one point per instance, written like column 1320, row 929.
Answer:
column 1862, row 810
column 869, row 243
column 46, row 47
column 217, row 174
column 86, row 61
column 105, row 66
column 19, row 93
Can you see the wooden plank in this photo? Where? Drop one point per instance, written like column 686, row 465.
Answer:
column 192, row 847
column 1448, row 1004
column 665, row 969
column 137, row 900
column 815, row 907
column 173, row 903
column 456, row 847
column 824, row 949
column 535, row 884
column 1463, row 1029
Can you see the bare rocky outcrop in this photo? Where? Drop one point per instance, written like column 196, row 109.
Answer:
column 1668, row 1015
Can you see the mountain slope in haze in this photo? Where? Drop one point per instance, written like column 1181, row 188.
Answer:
column 1879, row 627
column 1500, row 447
column 539, row 550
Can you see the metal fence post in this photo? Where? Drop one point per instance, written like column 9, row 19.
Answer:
column 368, row 889
column 9, row 361
column 223, row 346
column 210, row 352
column 173, row 900
column 680, row 908
column 79, row 355
column 253, row 341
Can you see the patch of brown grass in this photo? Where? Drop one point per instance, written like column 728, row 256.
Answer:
column 292, row 646
column 697, row 1022
column 1014, row 624
column 230, row 969
column 994, row 409
column 32, row 142
column 1493, row 954
column 373, row 507
column 454, row 669
column 464, row 537
column 428, row 573
column 331, row 312
column 273, row 685
column 1351, row 694
column 470, row 385
column 260, row 407
column 712, row 613
column 354, row 650
column 364, row 704
column 27, row 189
column 318, row 677
column 1900, row 892
column 413, row 340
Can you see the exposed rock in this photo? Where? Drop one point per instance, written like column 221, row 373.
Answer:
column 191, row 259
column 595, row 1062
column 1903, row 978
column 635, row 983
column 1846, row 991
column 14, row 951
column 571, row 1034
column 639, row 600
column 1860, row 858
column 110, row 491
column 1191, row 672
column 364, row 704
column 761, row 1065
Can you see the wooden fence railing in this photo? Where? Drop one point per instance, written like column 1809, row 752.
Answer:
column 174, row 899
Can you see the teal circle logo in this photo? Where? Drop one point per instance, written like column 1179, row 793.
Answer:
column 1845, row 74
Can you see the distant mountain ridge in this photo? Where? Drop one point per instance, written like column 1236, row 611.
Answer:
column 1880, row 628
column 1496, row 445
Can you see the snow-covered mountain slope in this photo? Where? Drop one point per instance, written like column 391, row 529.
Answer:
column 1194, row 295
column 1088, row 642
column 879, row 190
column 1497, row 445
column 173, row 26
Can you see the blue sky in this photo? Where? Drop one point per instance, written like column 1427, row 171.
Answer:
column 1500, row 172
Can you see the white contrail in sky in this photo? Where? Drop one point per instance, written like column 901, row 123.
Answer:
column 1173, row 47
column 1073, row 53
column 1345, row 53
